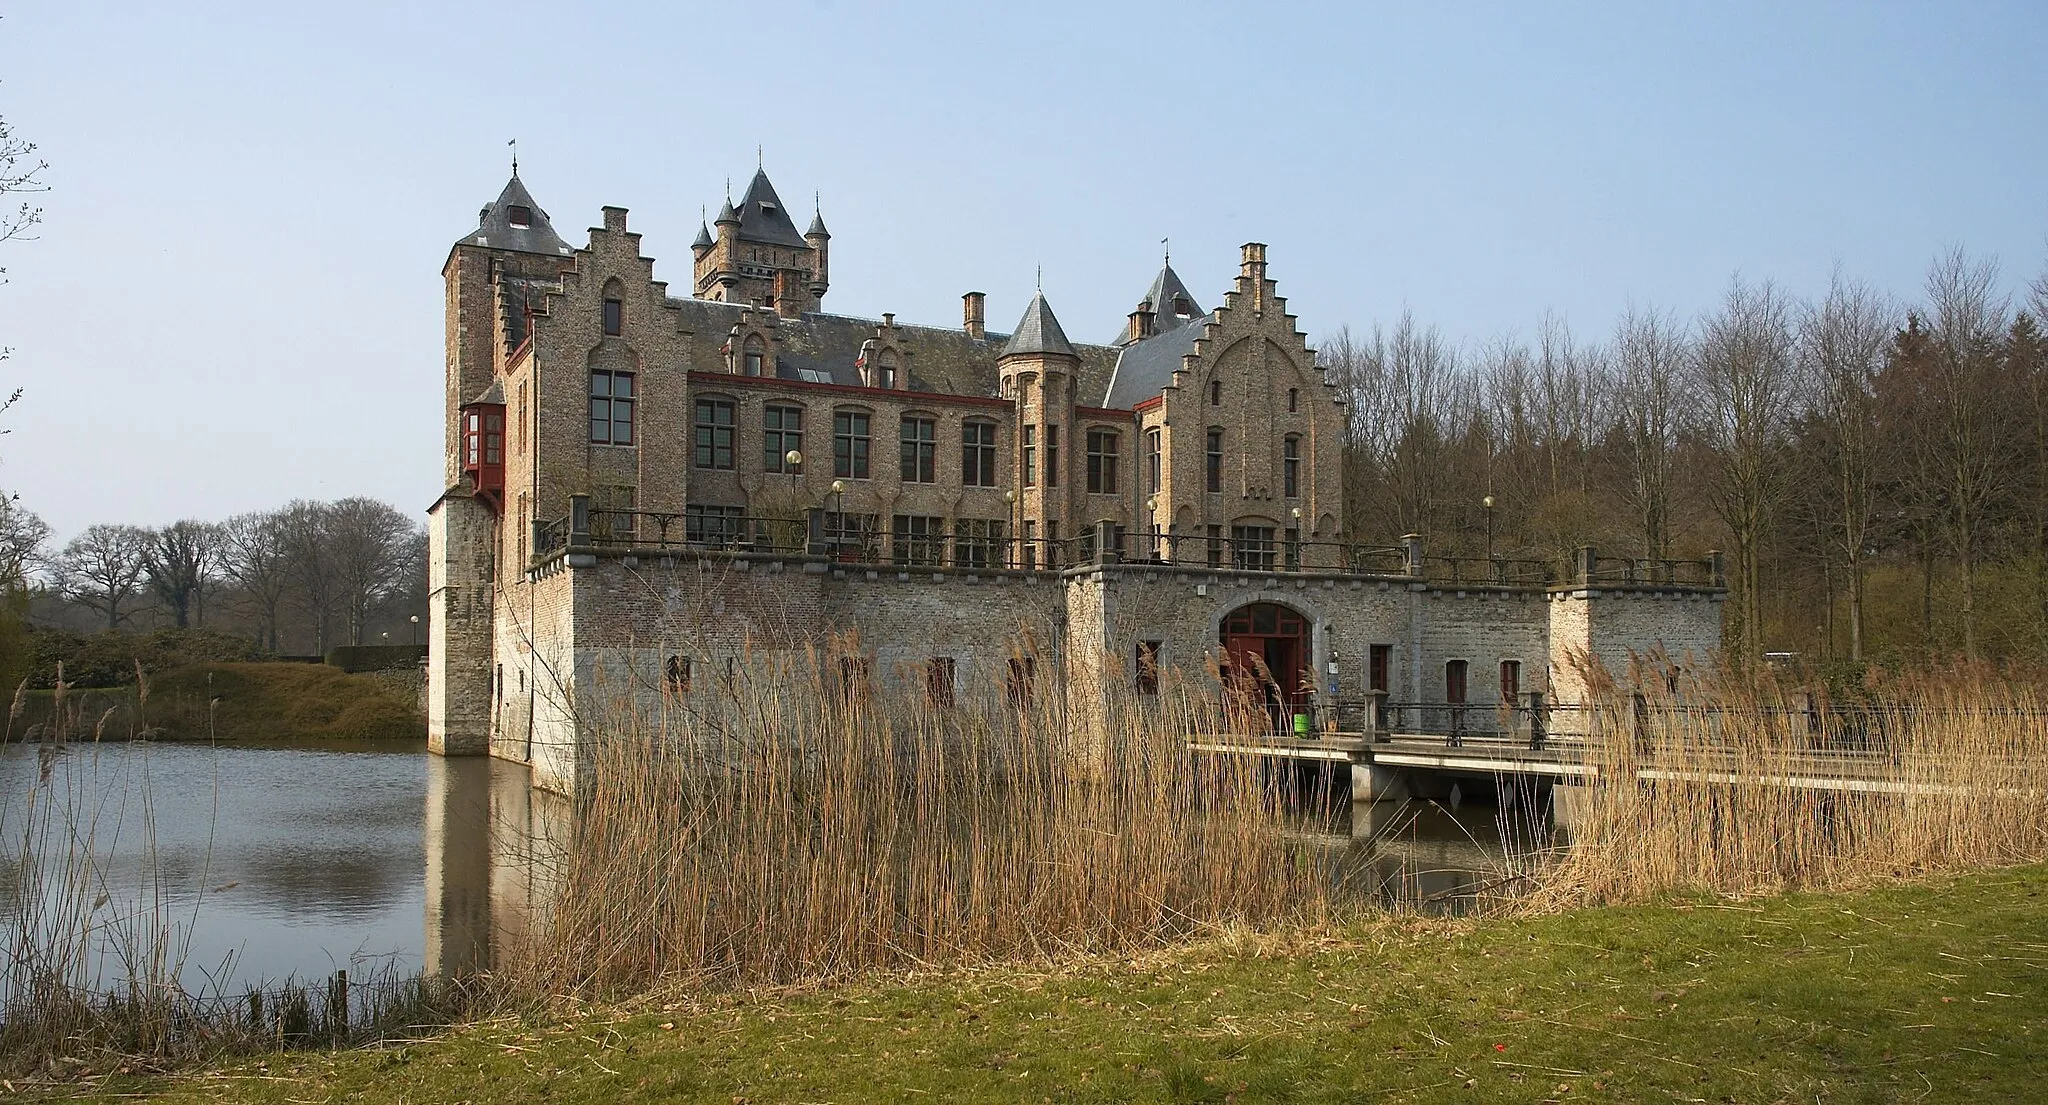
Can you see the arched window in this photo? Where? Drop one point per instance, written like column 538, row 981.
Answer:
column 1290, row 466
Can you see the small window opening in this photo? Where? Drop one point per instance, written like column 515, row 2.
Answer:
column 520, row 216
column 1215, row 393
column 1148, row 666
column 1293, row 399
column 677, row 676
column 614, row 318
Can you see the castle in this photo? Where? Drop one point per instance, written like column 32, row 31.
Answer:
column 644, row 490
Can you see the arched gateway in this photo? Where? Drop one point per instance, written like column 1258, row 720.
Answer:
column 1266, row 653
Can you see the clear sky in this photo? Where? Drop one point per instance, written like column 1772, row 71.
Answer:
column 236, row 297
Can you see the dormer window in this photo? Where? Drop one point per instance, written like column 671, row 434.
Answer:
column 1180, row 307
column 767, row 208
column 520, row 216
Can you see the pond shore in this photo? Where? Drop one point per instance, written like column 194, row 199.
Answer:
column 1926, row 991
column 250, row 701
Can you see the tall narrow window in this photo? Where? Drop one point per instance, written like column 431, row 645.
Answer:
column 978, row 454
column 1293, row 399
column 1029, row 450
column 920, row 450
column 1215, row 393
column 939, row 682
column 1148, row 666
column 755, row 357
column 1052, row 456
column 1152, row 461
column 850, row 443
column 519, row 423
column 1290, row 467
column 611, row 408
column 1212, row 460
column 1018, row 685
column 614, row 318
column 782, row 434
column 1101, row 462
column 1454, row 682
column 714, row 433
column 1510, row 681
column 1381, row 668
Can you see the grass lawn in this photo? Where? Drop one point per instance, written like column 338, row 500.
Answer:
column 1925, row 992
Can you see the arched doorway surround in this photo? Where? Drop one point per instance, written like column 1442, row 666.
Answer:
column 1268, row 673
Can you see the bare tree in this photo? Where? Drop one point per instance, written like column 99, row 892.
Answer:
column 1966, row 415
column 102, row 568
column 309, row 565
column 1747, row 386
column 255, row 552
column 1650, row 351
column 179, row 561
column 366, row 542
column 1842, row 347
column 22, row 540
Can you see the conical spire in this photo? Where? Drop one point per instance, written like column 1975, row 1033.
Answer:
column 726, row 214
column 1038, row 332
column 762, row 218
column 516, row 223
column 703, row 235
column 817, row 229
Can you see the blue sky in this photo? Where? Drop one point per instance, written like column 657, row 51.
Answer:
column 236, row 299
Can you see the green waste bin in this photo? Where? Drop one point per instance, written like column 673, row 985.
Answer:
column 1301, row 725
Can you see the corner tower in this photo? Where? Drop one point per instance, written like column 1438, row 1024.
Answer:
column 1038, row 368
column 759, row 259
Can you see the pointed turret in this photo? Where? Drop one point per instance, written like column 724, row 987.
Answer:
column 516, row 223
column 1039, row 333
column 726, row 215
column 762, row 218
column 817, row 229
column 1170, row 304
column 703, row 241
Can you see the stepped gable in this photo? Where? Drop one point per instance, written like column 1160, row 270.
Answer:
column 822, row 348
column 1144, row 368
column 763, row 219
column 498, row 225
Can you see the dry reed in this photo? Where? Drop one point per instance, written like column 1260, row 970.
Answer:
column 1736, row 786
column 792, row 825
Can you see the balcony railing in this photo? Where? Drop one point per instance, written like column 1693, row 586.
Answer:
column 817, row 535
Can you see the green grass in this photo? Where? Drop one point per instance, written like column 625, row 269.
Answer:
column 1935, row 991
column 251, row 702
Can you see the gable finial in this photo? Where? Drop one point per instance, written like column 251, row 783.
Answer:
column 514, row 143
column 1041, row 278
column 1167, row 244
column 760, row 159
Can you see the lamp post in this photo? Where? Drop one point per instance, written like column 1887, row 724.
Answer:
column 1152, row 523
column 415, row 620
column 793, row 461
column 1488, row 504
column 838, row 517
column 1010, row 509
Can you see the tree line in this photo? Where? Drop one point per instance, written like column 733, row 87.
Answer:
column 301, row 578
column 1874, row 469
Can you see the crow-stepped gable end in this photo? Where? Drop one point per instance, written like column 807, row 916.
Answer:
column 642, row 485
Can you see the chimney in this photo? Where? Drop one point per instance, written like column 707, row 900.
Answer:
column 972, row 318
column 1254, row 270
column 1141, row 322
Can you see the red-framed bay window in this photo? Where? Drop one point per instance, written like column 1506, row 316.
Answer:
column 483, row 450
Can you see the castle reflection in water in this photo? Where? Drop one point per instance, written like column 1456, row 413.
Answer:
column 494, row 848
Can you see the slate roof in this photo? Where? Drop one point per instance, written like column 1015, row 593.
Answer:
column 822, row 348
column 1145, row 367
column 495, row 229
column 1039, row 332
column 1165, row 289
column 763, row 218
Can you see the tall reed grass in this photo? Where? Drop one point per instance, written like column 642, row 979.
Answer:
column 1751, row 785
column 794, row 824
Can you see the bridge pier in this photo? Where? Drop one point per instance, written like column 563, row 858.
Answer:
column 1570, row 805
column 1372, row 783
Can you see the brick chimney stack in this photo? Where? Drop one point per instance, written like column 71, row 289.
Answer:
column 972, row 318
column 1143, row 324
column 1254, row 270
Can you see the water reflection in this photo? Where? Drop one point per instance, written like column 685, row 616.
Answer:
column 493, row 847
column 1422, row 853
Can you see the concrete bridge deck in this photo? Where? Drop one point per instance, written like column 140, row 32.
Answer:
column 1382, row 765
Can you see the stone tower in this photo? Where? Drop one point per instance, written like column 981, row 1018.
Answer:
column 494, row 277
column 1038, row 368
column 759, row 259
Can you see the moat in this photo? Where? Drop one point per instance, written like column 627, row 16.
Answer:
column 299, row 860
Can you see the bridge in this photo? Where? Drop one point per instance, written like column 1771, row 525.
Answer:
column 1526, row 751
